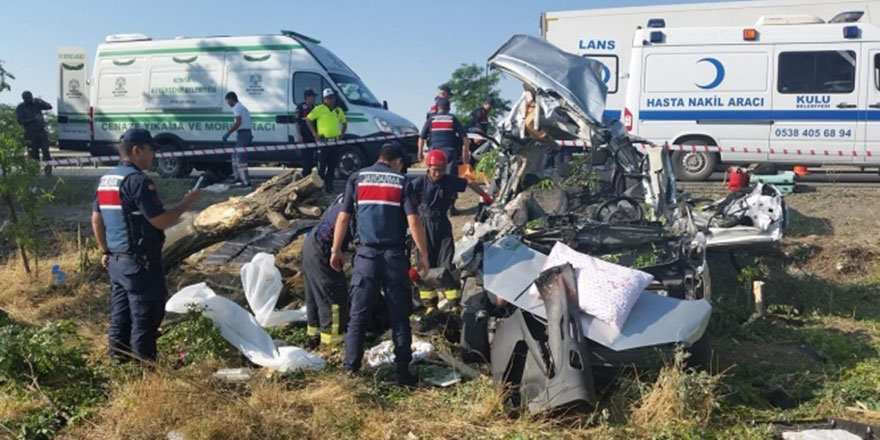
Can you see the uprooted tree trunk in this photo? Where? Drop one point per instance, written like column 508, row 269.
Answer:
column 279, row 199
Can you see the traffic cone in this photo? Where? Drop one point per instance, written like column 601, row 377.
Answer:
column 800, row 170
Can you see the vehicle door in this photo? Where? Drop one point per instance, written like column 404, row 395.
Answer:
column 816, row 103
column 871, row 128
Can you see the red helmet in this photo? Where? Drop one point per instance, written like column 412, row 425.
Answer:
column 435, row 158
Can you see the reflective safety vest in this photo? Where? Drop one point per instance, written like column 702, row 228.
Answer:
column 127, row 229
column 381, row 220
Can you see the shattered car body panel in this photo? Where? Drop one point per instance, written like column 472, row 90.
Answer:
column 759, row 216
column 510, row 267
column 546, row 69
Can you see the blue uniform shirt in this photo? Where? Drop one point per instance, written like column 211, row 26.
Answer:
column 381, row 200
column 323, row 231
column 137, row 198
column 444, row 132
column 438, row 196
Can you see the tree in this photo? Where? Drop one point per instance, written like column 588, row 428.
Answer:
column 470, row 87
column 19, row 191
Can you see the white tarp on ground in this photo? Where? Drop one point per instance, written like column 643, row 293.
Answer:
column 242, row 330
column 510, row 267
column 262, row 287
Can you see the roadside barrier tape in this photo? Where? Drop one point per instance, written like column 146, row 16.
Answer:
column 229, row 150
column 756, row 150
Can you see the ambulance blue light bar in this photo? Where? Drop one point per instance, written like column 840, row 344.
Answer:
column 657, row 23
column 656, row 37
column 852, row 32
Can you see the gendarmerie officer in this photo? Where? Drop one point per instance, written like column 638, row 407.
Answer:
column 436, row 193
column 382, row 203
column 444, row 132
column 326, row 292
column 128, row 220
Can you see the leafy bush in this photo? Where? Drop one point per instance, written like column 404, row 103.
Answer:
column 195, row 340
column 47, row 366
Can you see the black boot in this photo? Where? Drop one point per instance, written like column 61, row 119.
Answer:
column 405, row 378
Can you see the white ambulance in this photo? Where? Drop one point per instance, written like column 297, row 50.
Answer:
column 789, row 89
column 606, row 34
column 176, row 88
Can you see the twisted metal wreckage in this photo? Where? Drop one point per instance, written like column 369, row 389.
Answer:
column 620, row 203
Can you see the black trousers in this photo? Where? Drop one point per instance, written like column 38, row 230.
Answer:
column 441, row 249
column 326, row 294
column 137, row 305
column 328, row 161
column 38, row 142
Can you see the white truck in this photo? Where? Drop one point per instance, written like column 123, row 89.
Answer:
column 607, row 35
column 175, row 88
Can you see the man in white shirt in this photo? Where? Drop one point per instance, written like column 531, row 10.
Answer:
column 243, row 137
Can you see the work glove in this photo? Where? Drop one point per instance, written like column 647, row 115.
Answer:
column 225, row 137
column 487, row 200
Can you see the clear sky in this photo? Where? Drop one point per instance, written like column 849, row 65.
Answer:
column 401, row 49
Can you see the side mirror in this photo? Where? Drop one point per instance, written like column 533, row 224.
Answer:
column 385, row 105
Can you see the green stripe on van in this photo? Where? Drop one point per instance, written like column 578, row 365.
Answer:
column 203, row 49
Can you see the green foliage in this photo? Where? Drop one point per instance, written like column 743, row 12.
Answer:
column 536, row 223
column 582, row 177
column 19, row 191
column 47, row 365
column 470, row 88
column 647, row 259
column 295, row 336
column 487, row 163
column 195, row 340
column 545, row 184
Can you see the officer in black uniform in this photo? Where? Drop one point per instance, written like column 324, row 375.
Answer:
column 326, row 292
column 480, row 117
column 382, row 202
column 302, row 128
column 436, row 193
column 128, row 220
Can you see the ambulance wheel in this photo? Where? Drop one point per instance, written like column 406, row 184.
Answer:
column 350, row 161
column 171, row 166
column 693, row 165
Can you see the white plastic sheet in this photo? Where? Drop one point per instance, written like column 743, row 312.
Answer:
column 262, row 287
column 242, row 330
column 383, row 353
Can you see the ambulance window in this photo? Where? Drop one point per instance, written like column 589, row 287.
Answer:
column 308, row 80
column 830, row 71
column 877, row 71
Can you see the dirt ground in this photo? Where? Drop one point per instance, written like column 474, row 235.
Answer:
column 815, row 355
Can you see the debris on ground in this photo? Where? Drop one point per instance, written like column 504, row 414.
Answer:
column 233, row 374
column 383, row 353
